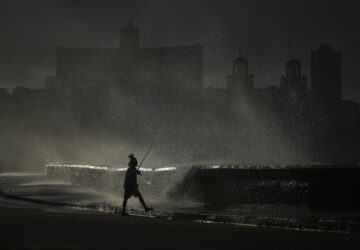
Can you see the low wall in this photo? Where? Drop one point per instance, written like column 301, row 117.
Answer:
column 156, row 183
column 315, row 186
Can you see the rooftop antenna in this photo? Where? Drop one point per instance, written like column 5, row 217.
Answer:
column 291, row 48
column 96, row 47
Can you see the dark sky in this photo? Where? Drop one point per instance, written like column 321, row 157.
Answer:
column 259, row 29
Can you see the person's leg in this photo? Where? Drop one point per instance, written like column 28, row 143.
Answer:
column 147, row 209
column 124, row 205
column 126, row 197
column 142, row 201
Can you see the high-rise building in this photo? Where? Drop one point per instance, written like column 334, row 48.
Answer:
column 179, row 67
column 326, row 75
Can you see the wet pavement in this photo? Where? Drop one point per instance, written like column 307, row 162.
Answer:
column 38, row 191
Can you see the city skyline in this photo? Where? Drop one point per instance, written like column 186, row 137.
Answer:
column 98, row 25
column 129, row 39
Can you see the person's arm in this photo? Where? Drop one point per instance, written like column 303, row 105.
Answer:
column 136, row 165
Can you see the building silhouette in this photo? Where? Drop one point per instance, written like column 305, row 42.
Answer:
column 130, row 65
column 326, row 74
column 240, row 82
column 129, row 36
column 293, row 79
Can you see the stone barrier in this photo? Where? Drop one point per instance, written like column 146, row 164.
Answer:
column 314, row 186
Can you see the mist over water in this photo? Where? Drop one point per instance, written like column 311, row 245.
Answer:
column 186, row 129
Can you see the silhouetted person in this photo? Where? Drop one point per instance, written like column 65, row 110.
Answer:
column 131, row 186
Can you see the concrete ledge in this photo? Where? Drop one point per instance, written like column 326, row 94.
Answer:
column 322, row 187
column 316, row 186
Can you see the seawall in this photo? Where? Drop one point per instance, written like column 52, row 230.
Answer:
column 328, row 187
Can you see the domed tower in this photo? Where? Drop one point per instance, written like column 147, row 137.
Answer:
column 240, row 79
column 129, row 36
column 293, row 69
column 240, row 66
column 293, row 78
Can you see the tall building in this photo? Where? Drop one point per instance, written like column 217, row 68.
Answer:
column 326, row 75
column 129, row 65
column 293, row 79
column 240, row 79
column 129, row 36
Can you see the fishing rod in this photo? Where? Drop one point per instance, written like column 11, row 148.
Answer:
column 146, row 154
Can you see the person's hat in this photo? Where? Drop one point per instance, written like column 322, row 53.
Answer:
column 131, row 155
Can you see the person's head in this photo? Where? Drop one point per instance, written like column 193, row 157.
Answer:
column 131, row 156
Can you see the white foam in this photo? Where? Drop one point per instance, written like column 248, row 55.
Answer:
column 77, row 166
column 109, row 168
column 165, row 169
